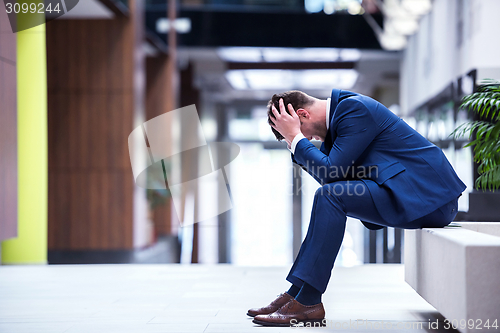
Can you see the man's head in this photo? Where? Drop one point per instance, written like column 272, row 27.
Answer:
column 310, row 110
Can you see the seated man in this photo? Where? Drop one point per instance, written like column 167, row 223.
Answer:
column 371, row 166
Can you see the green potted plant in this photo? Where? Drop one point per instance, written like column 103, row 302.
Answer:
column 484, row 133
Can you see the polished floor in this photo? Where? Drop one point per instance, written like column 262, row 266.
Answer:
column 197, row 298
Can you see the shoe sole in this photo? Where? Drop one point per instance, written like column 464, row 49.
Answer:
column 250, row 315
column 265, row 323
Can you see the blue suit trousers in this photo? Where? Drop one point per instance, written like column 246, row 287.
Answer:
column 333, row 202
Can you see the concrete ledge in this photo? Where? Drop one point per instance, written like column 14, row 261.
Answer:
column 457, row 270
column 490, row 228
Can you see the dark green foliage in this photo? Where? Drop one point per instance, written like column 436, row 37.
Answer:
column 486, row 103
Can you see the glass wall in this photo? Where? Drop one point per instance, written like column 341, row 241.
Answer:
column 261, row 226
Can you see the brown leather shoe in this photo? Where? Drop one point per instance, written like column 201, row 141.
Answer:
column 275, row 305
column 294, row 314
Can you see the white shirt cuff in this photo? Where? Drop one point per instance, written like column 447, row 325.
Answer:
column 296, row 140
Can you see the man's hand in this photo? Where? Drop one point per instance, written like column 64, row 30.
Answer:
column 286, row 124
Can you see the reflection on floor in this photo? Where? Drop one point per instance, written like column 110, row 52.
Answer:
column 197, row 298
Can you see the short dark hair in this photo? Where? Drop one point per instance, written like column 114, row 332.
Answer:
column 298, row 99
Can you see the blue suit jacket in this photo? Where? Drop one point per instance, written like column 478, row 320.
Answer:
column 407, row 176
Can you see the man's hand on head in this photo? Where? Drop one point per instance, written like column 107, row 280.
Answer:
column 286, row 124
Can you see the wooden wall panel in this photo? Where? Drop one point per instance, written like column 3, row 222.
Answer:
column 93, row 99
column 8, row 129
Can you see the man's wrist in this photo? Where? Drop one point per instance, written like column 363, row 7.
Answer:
column 295, row 140
column 290, row 137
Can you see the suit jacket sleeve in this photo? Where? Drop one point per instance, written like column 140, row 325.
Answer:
column 354, row 129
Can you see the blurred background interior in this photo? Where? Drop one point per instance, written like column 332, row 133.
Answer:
column 67, row 193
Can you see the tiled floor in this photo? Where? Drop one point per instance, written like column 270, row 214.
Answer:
column 196, row 298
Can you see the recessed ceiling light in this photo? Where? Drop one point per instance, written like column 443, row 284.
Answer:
column 281, row 80
column 182, row 25
column 240, row 54
column 282, row 54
